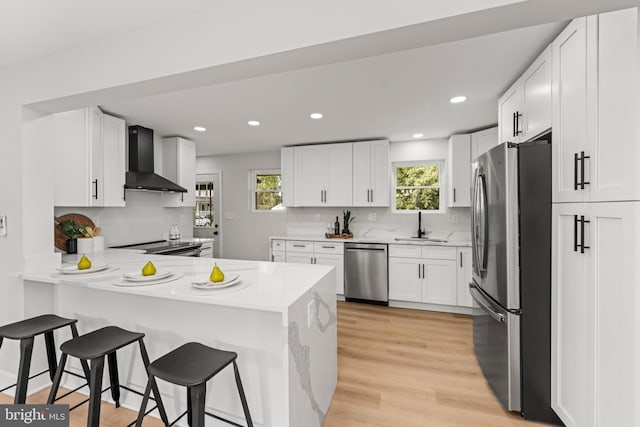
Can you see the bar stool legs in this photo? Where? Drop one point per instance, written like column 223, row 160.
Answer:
column 26, row 349
column 243, row 399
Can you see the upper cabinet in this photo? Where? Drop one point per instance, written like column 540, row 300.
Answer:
column 524, row 111
column 371, row 173
column 459, row 171
column 323, row 175
column 483, row 141
column 179, row 166
column 595, row 109
column 96, row 153
column 286, row 176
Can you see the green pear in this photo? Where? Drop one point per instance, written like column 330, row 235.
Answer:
column 216, row 274
column 149, row 269
column 84, row 263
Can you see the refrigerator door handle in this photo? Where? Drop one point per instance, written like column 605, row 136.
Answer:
column 485, row 225
column 477, row 297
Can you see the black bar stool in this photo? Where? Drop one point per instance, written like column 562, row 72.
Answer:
column 25, row 331
column 192, row 365
column 93, row 347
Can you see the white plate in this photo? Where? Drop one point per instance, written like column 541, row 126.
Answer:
column 207, row 284
column 73, row 269
column 137, row 276
column 130, row 284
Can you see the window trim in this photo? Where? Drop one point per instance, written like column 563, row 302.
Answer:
column 426, row 162
column 253, row 190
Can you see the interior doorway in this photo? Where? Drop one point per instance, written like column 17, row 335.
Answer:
column 207, row 213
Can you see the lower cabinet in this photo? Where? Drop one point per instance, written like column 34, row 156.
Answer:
column 595, row 342
column 463, row 277
column 308, row 252
column 422, row 274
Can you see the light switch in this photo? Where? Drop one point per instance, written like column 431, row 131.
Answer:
column 3, row 225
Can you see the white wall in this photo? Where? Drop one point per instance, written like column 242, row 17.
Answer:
column 246, row 236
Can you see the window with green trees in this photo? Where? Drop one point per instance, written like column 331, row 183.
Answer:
column 417, row 186
column 267, row 190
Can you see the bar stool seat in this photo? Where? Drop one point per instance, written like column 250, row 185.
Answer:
column 192, row 365
column 95, row 347
column 100, row 342
column 25, row 331
column 34, row 326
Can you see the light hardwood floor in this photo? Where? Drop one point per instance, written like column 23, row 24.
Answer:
column 396, row 368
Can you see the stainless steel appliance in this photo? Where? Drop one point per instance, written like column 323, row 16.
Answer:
column 167, row 247
column 366, row 273
column 511, row 286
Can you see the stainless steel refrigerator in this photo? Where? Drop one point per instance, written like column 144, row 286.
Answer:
column 511, row 286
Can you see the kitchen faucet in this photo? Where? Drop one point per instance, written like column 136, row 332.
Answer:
column 420, row 230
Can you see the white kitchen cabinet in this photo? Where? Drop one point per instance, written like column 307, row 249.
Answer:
column 114, row 170
column 422, row 274
column 483, row 141
column 310, row 252
column 594, row 323
column 459, row 169
column 89, row 169
column 179, row 166
column 286, row 176
column 595, row 140
column 371, row 173
column 405, row 279
column 524, row 111
column 463, row 277
column 323, row 175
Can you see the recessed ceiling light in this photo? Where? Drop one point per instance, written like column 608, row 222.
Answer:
column 458, row 99
column 253, row 123
column 199, row 128
column 316, row 115
column 418, row 135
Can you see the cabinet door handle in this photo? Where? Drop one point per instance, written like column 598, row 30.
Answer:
column 454, row 194
column 517, row 128
column 423, row 276
column 95, row 186
column 575, row 171
column 575, row 233
column 371, row 195
column 513, row 124
column 582, row 223
column 328, row 247
column 460, row 259
column 272, row 258
column 419, row 272
column 321, row 196
column 582, row 181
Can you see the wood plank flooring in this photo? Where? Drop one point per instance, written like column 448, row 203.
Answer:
column 396, row 368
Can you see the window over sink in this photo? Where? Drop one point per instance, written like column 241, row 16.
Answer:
column 417, row 186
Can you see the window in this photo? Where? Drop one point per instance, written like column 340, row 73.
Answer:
column 266, row 190
column 203, row 210
column 417, row 186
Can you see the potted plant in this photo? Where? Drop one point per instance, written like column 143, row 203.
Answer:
column 71, row 231
column 346, row 220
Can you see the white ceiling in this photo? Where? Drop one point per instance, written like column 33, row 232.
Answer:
column 389, row 96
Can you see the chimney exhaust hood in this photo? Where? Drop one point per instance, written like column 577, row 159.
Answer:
column 140, row 175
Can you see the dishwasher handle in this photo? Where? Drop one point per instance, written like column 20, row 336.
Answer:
column 367, row 249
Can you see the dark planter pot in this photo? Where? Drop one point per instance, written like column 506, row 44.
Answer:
column 346, row 231
column 71, row 245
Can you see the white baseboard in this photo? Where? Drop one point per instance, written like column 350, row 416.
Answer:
column 431, row 307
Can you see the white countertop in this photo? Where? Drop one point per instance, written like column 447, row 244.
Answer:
column 265, row 285
column 386, row 240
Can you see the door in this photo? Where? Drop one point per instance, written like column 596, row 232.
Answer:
column 299, row 258
column 380, row 178
column 459, row 171
column 338, row 262
column 208, row 209
column 405, row 279
column 571, row 320
column 508, row 105
column 463, row 277
column 362, row 173
column 439, row 281
column 483, row 141
column 570, row 113
column 114, row 145
column 94, row 135
column 338, row 190
column 310, row 170
column 536, row 96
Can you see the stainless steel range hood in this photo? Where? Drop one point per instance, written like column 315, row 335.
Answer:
column 140, row 175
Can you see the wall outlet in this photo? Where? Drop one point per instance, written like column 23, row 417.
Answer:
column 317, row 216
column 310, row 312
column 372, row 217
column 3, row 225
column 454, row 219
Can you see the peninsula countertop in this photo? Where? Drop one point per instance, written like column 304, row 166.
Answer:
column 264, row 285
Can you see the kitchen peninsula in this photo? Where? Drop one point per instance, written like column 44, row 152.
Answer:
column 280, row 319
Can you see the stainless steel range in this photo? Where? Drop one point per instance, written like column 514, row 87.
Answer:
column 167, row 247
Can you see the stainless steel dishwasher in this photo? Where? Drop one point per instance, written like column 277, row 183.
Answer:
column 366, row 273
